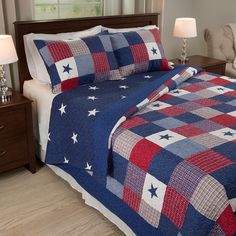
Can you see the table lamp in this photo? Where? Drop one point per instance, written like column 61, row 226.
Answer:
column 7, row 55
column 185, row 28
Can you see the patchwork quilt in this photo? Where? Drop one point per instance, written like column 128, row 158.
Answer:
column 163, row 143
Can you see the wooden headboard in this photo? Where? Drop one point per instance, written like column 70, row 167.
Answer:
column 70, row 25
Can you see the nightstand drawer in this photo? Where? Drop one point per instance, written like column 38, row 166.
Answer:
column 13, row 152
column 12, row 123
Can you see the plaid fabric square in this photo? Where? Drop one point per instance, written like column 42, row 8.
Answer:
column 192, row 88
column 169, row 123
column 207, row 102
column 209, row 198
column 133, row 122
column 172, row 111
column 189, row 106
column 209, row 161
column 132, row 199
column 124, row 142
column 115, row 187
column 219, row 81
column 84, row 61
column 225, row 120
column 135, row 178
column 205, row 93
column 207, row 125
column 151, row 215
column 188, row 131
column 175, row 206
column 185, row 179
column 206, row 112
column 208, row 140
column 143, row 152
column 141, row 47
column 217, row 231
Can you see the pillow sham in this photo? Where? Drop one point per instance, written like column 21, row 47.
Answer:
column 75, row 62
column 123, row 30
column 34, row 61
column 139, row 51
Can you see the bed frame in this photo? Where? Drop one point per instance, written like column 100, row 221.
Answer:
column 70, row 25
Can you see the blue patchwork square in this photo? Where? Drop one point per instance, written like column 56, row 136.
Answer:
column 189, row 118
column 222, row 98
column 112, row 60
column 48, row 59
column 226, row 150
column 232, row 103
column 169, row 123
column 191, row 223
column 94, row 43
column 175, row 100
column 167, row 227
column 85, row 64
column 115, row 187
column 133, row 38
column 185, row 148
column 163, row 165
column 191, row 97
column 153, row 116
column 226, row 108
column 124, row 56
column 147, row 129
column 120, row 165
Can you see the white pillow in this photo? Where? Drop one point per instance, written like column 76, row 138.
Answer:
column 123, row 30
column 35, row 62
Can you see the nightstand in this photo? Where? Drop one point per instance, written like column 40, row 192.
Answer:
column 16, row 134
column 209, row 64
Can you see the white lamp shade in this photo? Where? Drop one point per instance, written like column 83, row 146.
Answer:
column 185, row 28
column 7, row 50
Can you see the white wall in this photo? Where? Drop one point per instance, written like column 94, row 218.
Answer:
column 212, row 13
column 208, row 13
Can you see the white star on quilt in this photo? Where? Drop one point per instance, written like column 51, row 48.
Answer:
column 147, row 76
column 123, row 96
column 92, row 112
column 123, row 87
column 49, row 139
column 74, row 138
column 62, row 109
column 88, row 167
column 123, row 78
column 93, row 88
column 92, row 98
column 66, row 161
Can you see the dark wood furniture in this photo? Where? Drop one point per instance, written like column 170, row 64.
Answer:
column 16, row 134
column 70, row 25
column 207, row 63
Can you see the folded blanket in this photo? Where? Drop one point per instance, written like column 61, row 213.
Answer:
column 233, row 28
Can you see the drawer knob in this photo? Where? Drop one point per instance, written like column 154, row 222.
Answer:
column 1, row 127
column 3, row 153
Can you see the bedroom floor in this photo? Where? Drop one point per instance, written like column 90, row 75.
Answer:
column 44, row 205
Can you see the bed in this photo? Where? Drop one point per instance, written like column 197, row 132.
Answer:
column 154, row 151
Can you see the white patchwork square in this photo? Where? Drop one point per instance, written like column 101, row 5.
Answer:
column 225, row 133
column 233, row 113
column 158, row 105
column 165, row 138
column 153, row 192
column 67, row 68
column 228, row 79
column 220, row 89
column 178, row 92
column 153, row 51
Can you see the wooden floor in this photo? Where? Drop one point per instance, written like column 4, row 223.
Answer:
column 44, row 205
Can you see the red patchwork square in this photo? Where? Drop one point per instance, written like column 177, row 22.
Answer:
column 172, row 111
column 169, row 82
column 156, row 35
column 69, row 84
column 133, row 121
column 225, row 119
column 188, row 131
column 209, row 161
column 207, row 102
column 164, row 65
column 219, row 81
column 132, row 199
column 230, row 94
column 143, row 152
column 192, row 88
column 57, row 47
column 227, row 221
column 139, row 52
column 165, row 97
column 101, row 62
column 152, row 95
column 175, row 207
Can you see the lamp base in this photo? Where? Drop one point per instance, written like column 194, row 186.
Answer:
column 183, row 61
column 5, row 96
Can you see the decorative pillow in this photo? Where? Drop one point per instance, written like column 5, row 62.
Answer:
column 139, row 51
column 75, row 62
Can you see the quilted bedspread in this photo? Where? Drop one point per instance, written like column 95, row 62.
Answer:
column 163, row 143
column 174, row 162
